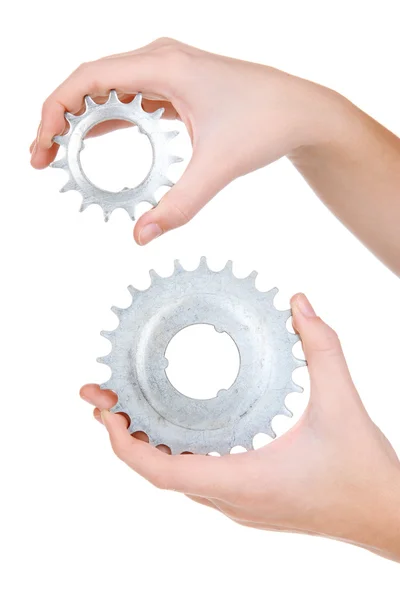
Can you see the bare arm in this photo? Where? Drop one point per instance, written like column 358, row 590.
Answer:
column 356, row 173
column 351, row 162
column 327, row 476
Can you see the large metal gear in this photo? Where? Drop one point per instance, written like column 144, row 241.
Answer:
column 147, row 123
column 235, row 306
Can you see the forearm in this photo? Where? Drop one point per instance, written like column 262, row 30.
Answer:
column 355, row 169
column 376, row 522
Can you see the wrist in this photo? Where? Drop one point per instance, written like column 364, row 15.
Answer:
column 326, row 118
column 378, row 528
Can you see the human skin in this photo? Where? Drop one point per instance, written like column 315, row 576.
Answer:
column 318, row 478
column 351, row 161
column 334, row 474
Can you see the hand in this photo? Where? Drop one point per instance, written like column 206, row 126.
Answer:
column 240, row 116
column 333, row 474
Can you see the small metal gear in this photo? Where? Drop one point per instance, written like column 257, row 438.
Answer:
column 235, row 306
column 147, row 123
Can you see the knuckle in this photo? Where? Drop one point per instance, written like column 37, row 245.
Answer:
column 166, row 41
column 161, row 481
column 329, row 343
column 174, row 57
column 47, row 105
column 180, row 216
column 83, row 67
column 87, row 72
column 120, row 449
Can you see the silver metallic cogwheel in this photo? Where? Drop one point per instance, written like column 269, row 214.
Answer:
column 147, row 123
column 235, row 306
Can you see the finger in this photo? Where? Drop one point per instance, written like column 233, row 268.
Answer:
column 106, row 399
column 42, row 158
column 202, row 180
column 203, row 501
column 205, row 476
column 327, row 366
column 115, row 124
column 102, row 399
column 129, row 75
column 140, row 435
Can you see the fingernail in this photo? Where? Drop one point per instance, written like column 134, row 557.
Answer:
column 148, row 233
column 34, row 148
column 304, row 306
column 39, row 131
column 103, row 415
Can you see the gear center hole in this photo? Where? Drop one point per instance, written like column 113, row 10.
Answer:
column 122, row 158
column 202, row 362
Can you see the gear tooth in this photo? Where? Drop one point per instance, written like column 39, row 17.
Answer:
column 223, row 449
column 151, row 200
column 137, row 101
column 105, row 360
column 116, row 408
column 89, row 102
column 294, row 337
column 68, row 187
column 153, row 441
column 170, row 135
column 285, row 314
column 285, row 411
column 296, row 388
column 267, row 429
column 157, row 114
column 106, row 214
column 202, row 264
column 299, row 362
column 166, row 181
column 178, row 267
column 248, row 444
column 175, row 159
column 61, row 140
column 252, row 277
column 87, row 202
column 131, row 212
column 117, row 311
column 109, row 335
column 228, row 266
column 70, row 117
column 133, row 291
column 175, row 448
column 272, row 293
column 154, row 275
column 59, row 164
column 113, row 97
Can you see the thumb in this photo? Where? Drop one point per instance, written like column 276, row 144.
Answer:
column 326, row 362
column 120, row 438
column 202, row 180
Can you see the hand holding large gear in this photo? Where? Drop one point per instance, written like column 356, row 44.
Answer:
column 137, row 360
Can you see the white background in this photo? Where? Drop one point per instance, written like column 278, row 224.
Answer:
column 75, row 522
